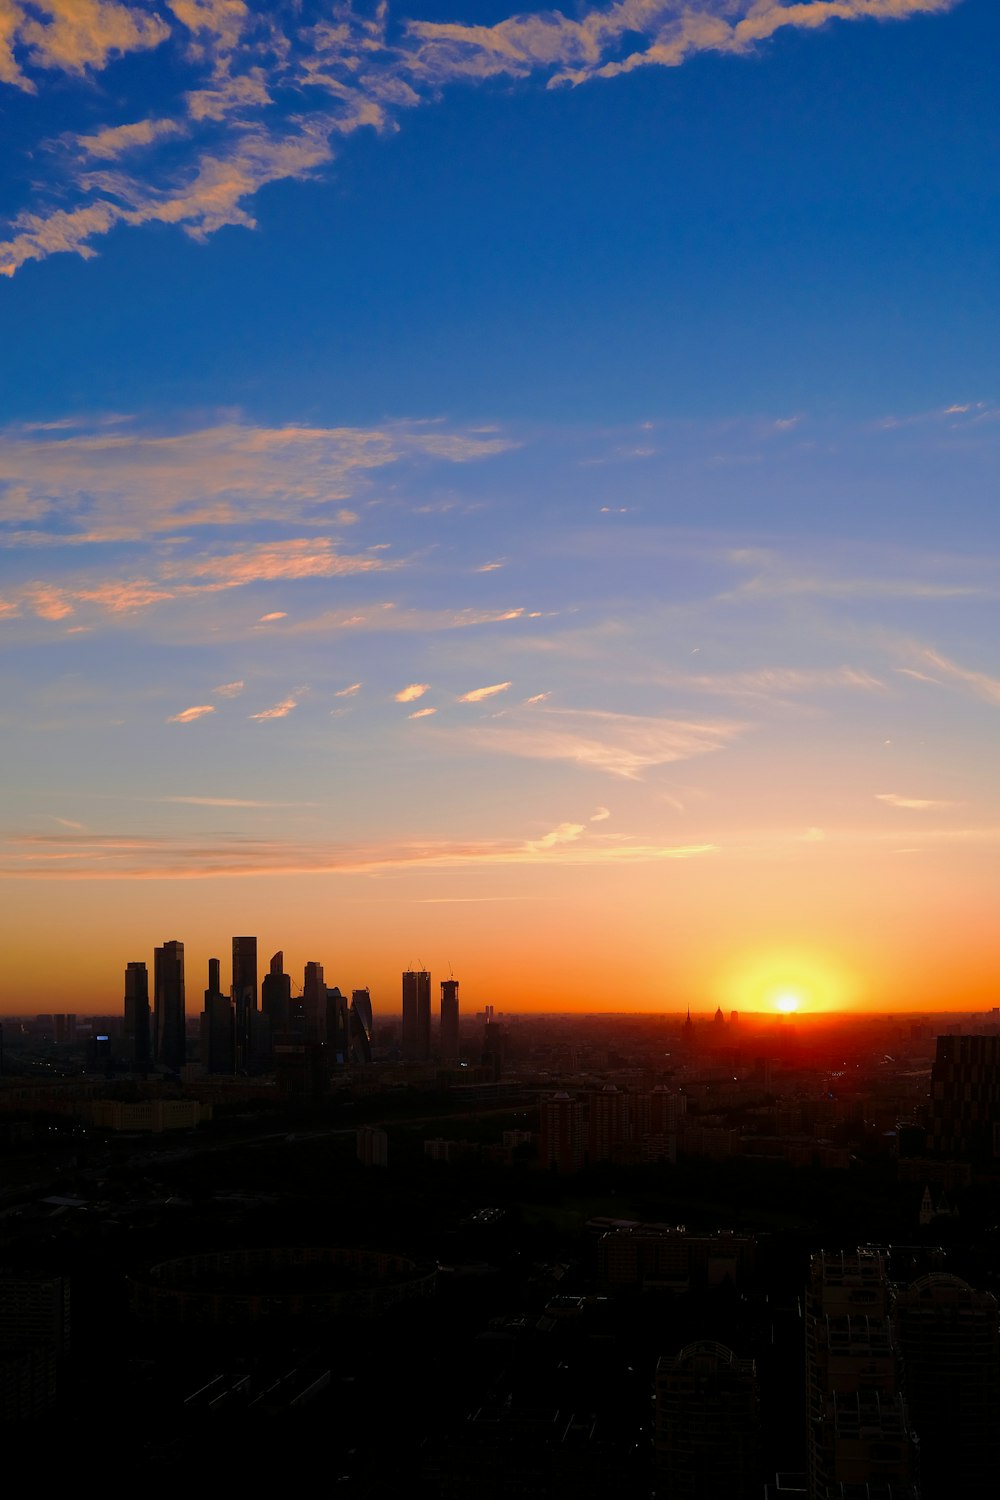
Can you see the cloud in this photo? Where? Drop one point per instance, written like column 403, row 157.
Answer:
column 599, row 815
column 415, row 690
column 229, row 689
column 422, row 713
column 624, row 745
column 276, row 614
column 489, row 567
column 911, row 804
column 981, row 684
column 768, row 682
column 215, row 855
column 348, row 692
column 279, row 711
column 387, row 616
column 564, row 833
column 299, row 557
column 115, row 140
column 478, row 694
column 230, row 802
column 264, row 97
column 99, row 481
column 188, row 715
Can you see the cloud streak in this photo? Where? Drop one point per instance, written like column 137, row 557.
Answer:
column 268, row 98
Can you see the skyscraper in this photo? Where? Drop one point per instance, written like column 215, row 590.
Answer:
column 244, row 994
column 965, row 1097
column 135, row 1031
column 314, row 1002
column 949, row 1340
column 449, row 1020
column 168, row 1006
column 361, row 1023
column 218, row 1052
column 276, row 995
column 416, row 1015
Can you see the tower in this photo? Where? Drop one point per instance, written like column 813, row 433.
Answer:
column 244, row 994
column 360, row 1025
column 950, row 1346
column 449, row 1020
column 168, row 1006
column 314, row 1002
column 136, row 1027
column 217, row 1030
column 561, row 1144
column 965, row 1097
column 276, row 996
column 416, row 1015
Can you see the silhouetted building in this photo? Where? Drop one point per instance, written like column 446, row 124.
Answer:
column 707, row 1426
column 858, row 1429
column 561, row 1141
column 168, row 1006
column 314, row 1003
column 416, row 1015
column 607, row 1125
column 950, row 1346
column 276, row 997
column 449, row 1020
column 360, row 1024
column 965, row 1097
column 337, row 1027
column 373, row 1146
column 244, row 994
column 135, row 1031
column 218, row 1033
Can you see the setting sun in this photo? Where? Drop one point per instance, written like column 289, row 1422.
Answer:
column 786, row 1002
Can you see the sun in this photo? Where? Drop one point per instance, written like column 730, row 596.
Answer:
column 787, row 1002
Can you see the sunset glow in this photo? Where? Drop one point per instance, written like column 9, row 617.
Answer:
column 510, row 493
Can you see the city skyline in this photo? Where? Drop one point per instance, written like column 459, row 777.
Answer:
column 509, row 494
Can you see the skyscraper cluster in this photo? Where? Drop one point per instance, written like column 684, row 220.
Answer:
column 238, row 1036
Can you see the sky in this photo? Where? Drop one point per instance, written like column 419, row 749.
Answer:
column 510, row 493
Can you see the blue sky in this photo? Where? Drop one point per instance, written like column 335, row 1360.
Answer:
column 454, row 458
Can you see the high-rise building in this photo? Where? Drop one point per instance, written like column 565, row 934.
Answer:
column 244, row 993
column 218, row 1035
column 338, row 1027
column 707, row 1424
column 561, row 1140
column 276, row 997
column 950, row 1346
column 416, row 1015
column 449, row 1020
column 168, row 1006
column 361, row 1023
column 314, row 1003
column 965, row 1097
column 135, row 1031
column 858, row 1427
column 608, row 1124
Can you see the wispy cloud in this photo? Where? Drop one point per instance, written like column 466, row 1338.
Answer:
column 624, row 745
column 267, row 97
column 348, row 692
column 415, row 690
column 912, row 804
column 422, row 713
column 229, row 689
column 278, row 711
column 478, row 694
column 776, row 682
column 981, row 684
column 214, row 855
column 188, row 715
column 97, row 481
column 600, row 815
